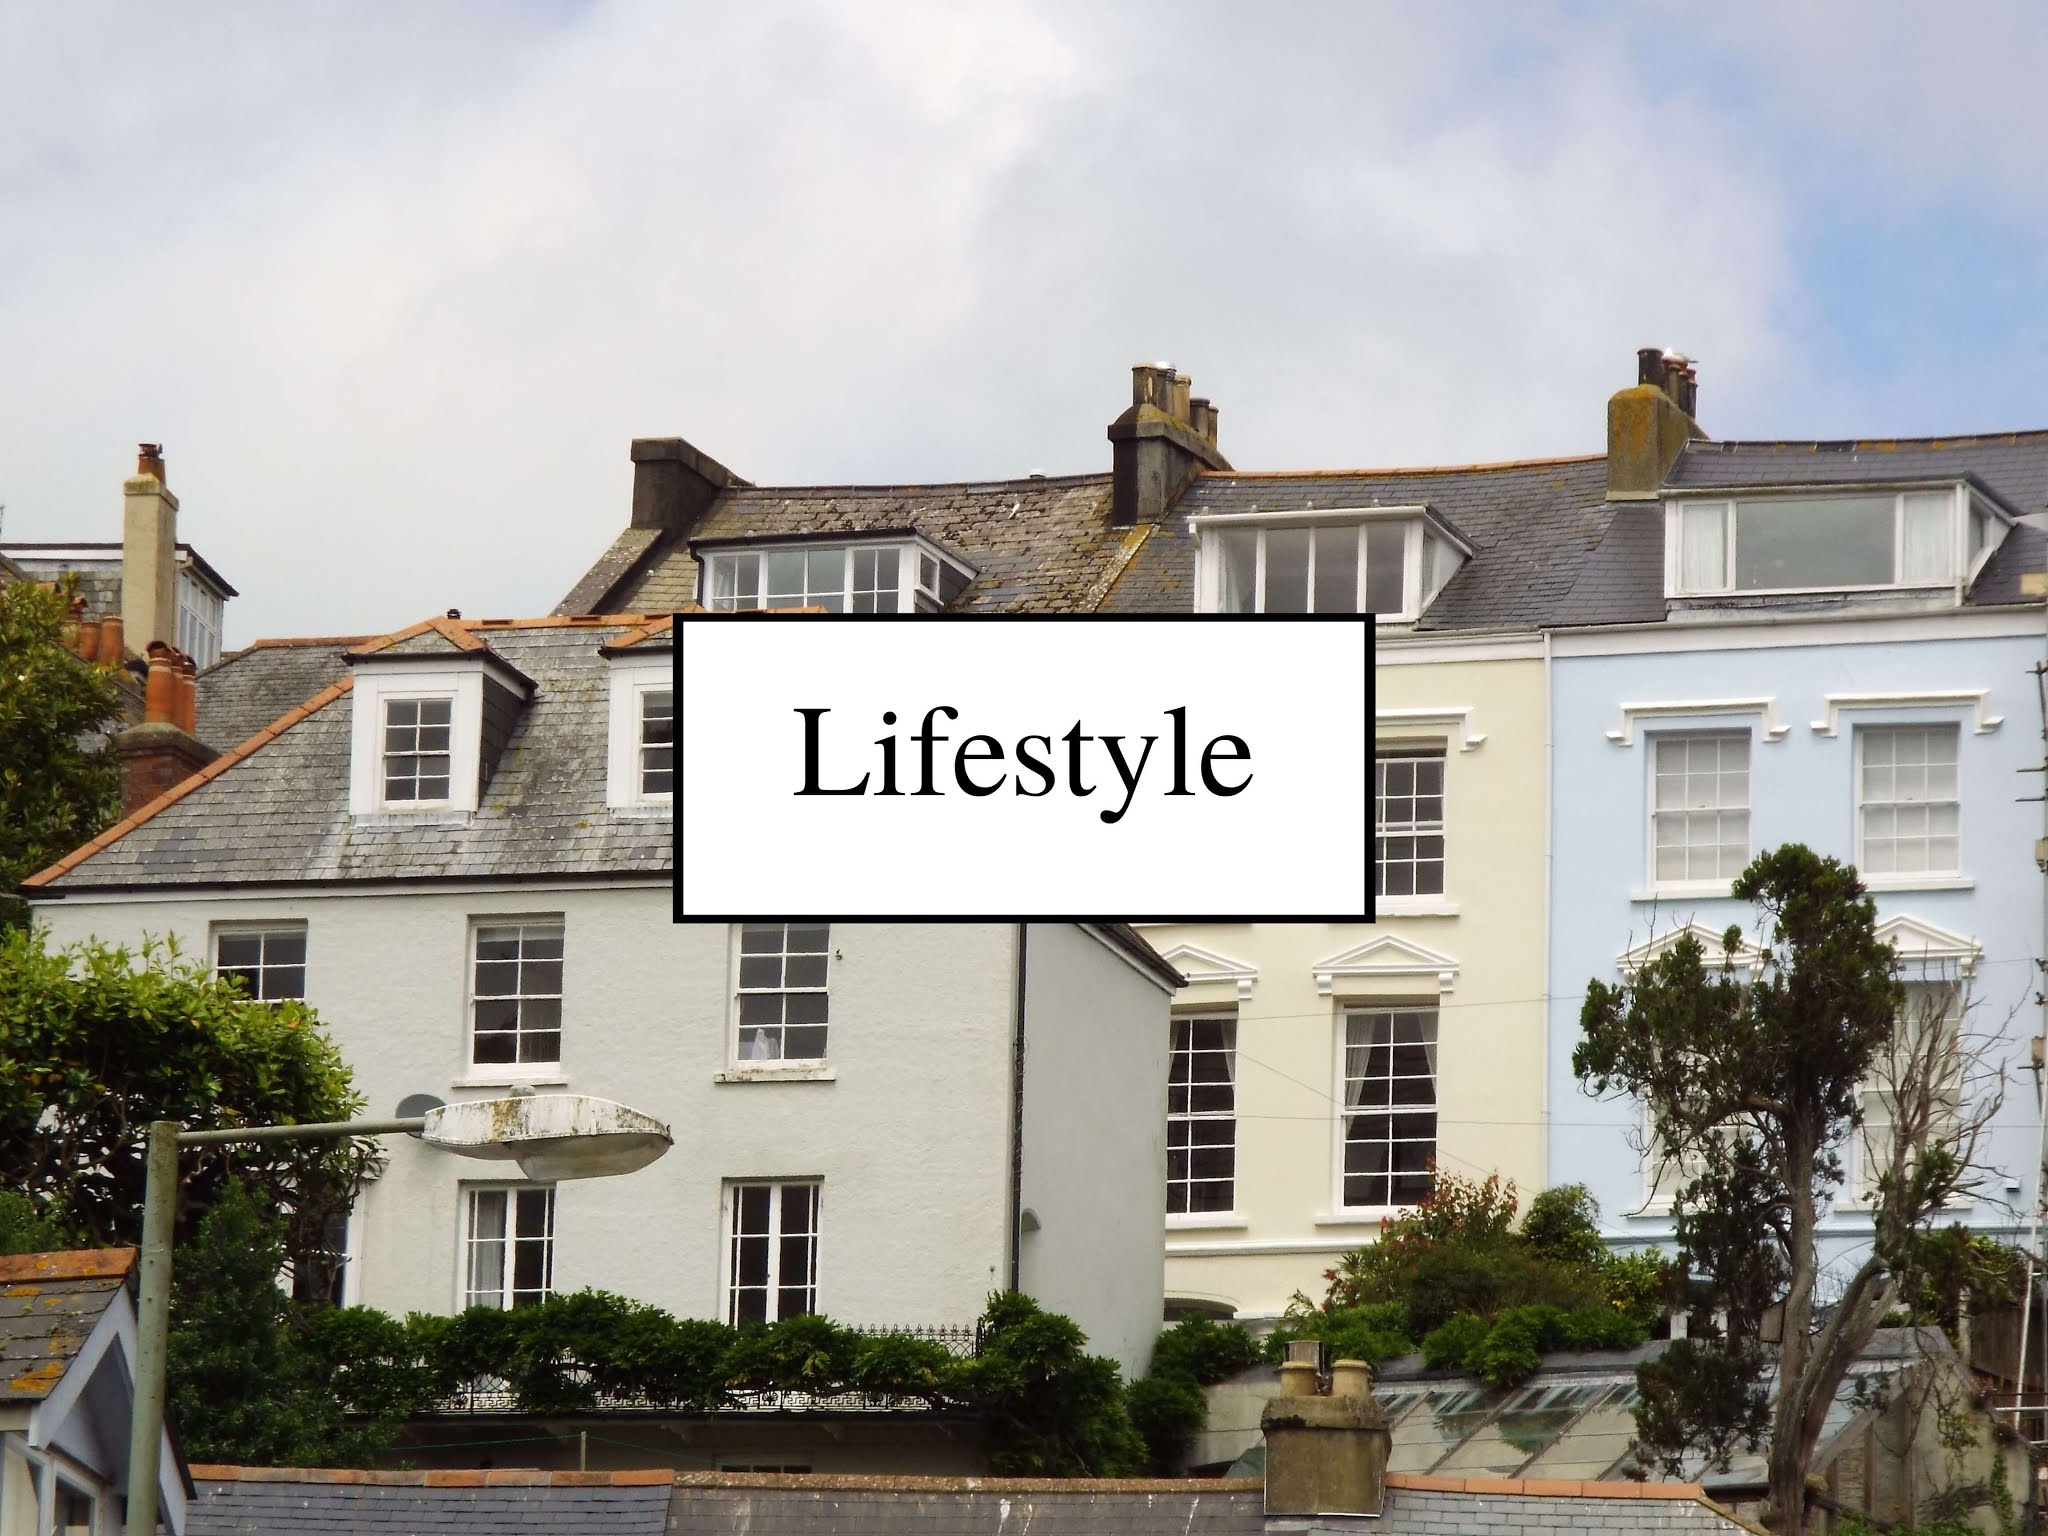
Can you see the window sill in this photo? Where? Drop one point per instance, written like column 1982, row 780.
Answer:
column 1706, row 889
column 1365, row 1216
column 549, row 1075
column 1220, row 1221
column 445, row 815
column 1414, row 906
column 808, row 1073
column 1918, row 883
column 662, row 810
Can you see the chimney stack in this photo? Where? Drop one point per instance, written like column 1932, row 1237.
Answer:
column 149, row 553
column 673, row 484
column 1650, row 424
column 1326, row 1452
column 1161, row 443
column 161, row 752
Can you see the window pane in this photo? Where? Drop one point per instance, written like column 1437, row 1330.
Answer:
column 1837, row 541
column 1699, row 823
column 1908, row 811
column 1409, row 819
column 1703, row 548
column 1336, row 570
column 1287, row 570
column 1386, row 558
column 1927, row 538
column 1201, row 1127
column 1239, row 548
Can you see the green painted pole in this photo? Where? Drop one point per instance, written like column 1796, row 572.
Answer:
column 153, row 1327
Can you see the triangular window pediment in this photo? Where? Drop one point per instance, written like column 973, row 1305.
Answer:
column 1920, row 942
column 1199, row 965
column 1388, row 955
column 1746, row 956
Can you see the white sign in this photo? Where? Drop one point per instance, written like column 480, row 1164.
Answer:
column 1093, row 766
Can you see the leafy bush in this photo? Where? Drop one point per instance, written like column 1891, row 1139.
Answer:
column 1563, row 1226
column 24, row 1228
column 1169, row 1411
column 1375, row 1332
column 1450, row 1344
column 1203, row 1351
column 1512, row 1349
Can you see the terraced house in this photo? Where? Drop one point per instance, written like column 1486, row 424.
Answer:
column 1604, row 684
column 455, row 843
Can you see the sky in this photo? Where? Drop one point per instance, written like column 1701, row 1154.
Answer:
column 396, row 285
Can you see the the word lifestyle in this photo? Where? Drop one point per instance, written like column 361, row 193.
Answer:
column 975, row 755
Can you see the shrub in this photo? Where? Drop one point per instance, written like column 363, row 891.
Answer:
column 1512, row 1349
column 1203, row 1351
column 1563, row 1226
column 1169, row 1411
column 1374, row 1333
column 1450, row 1344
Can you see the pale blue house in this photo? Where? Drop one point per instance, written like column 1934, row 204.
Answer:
column 1816, row 642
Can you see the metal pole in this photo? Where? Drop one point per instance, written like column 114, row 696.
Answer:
column 153, row 1326
column 320, row 1130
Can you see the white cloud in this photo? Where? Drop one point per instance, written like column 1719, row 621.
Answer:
column 396, row 295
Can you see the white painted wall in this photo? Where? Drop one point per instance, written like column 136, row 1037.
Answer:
column 910, row 1137
column 1096, row 1047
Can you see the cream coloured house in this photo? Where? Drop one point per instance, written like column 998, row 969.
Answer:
column 1322, row 1070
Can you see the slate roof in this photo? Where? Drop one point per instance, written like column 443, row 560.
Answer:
column 241, row 1502
column 247, row 690
column 1550, row 549
column 49, row 1305
column 276, row 810
column 1036, row 545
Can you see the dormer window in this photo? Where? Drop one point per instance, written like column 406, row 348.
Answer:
column 892, row 572
column 429, row 726
column 1925, row 538
column 640, row 760
column 1387, row 561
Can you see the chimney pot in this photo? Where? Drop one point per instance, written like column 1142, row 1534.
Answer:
column 1351, row 1378
column 188, row 695
column 160, row 687
column 149, row 460
column 86, row 641
column 1181, row 404
column 110, row 639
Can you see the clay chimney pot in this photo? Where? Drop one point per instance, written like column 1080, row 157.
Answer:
column 110, row 639
column 188, row 695
column 160, row 688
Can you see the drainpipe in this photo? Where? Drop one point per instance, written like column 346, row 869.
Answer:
column 1017, row 1116
column 1549, row 893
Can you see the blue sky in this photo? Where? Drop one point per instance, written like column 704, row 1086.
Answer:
column 397, row 284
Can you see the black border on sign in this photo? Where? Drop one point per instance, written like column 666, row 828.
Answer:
column 1365, row 622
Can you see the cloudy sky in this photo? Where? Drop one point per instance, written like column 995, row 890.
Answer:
column 396, row 284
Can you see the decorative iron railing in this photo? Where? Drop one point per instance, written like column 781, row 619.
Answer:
column 494, row 1395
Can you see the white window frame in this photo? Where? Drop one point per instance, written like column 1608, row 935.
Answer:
column 534, row 1072
column 729, row 1213
column 1431, row 1005
column 1894, row 879
column 918, row 569
column 1655, row 739
column 200, row 614
column 263, row 931
column 1417, row 527
column 1964, row 567
column 467, row 1238
column 1192, row 1217
column 632, row 679
column 1436, row 749
column 774, row 1065
column 372, row 687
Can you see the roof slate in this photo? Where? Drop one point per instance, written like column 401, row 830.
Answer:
column 49, row 1305
column 238, row 1502
column 281, row 814
column 358, row 1509
column 1549, row 549
column 247, row 690
column 1037, row 545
